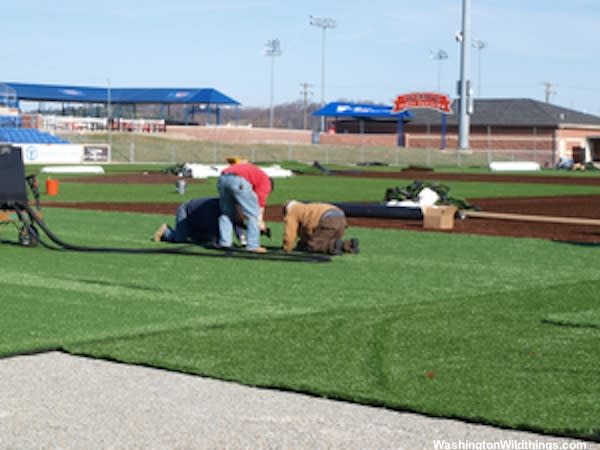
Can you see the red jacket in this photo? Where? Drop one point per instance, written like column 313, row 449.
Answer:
column 261, row 184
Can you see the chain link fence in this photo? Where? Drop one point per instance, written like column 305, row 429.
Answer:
column 131, row 147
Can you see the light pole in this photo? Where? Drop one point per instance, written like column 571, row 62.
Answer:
column 323, row 23
column 109, row 112
column 479, row 45
column 464, row 84
column 549, row 90
column 272, row 49
column 439, row 56
column 305, row 93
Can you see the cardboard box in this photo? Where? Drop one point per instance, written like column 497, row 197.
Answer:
column 439, row 217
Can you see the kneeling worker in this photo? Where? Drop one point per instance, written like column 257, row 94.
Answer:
column 197, row 220
column 320, row 227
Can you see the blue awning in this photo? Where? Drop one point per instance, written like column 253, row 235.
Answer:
column 338, row 109
column 80, row 94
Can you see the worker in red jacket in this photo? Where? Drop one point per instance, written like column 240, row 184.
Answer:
column 249, row 187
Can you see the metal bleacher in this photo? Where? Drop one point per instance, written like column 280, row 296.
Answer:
column 29, row 136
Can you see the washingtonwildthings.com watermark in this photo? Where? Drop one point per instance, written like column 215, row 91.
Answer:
column 507, row 444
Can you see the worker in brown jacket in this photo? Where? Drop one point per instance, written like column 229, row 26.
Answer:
column 320, row 227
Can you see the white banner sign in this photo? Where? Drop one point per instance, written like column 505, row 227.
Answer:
column 64, row 153
column 51, row 153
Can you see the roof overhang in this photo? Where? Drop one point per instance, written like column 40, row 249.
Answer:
column 361, row 111
column 81, row 94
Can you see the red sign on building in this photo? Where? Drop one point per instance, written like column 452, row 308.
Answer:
column 427, row 100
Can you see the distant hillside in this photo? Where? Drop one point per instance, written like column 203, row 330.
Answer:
column 285, row 115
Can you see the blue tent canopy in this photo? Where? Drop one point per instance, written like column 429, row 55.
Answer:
column 79, row 94
column 364, row 111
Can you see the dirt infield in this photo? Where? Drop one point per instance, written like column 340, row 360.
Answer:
column 587, row 206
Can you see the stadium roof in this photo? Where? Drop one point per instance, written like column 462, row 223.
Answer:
column 81, row 94
column 361, row 111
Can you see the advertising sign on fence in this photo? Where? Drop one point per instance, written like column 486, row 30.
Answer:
column 51, row 153
column 97, row 153
column 65, row 153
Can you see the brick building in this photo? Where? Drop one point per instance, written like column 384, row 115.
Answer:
column 528, row 129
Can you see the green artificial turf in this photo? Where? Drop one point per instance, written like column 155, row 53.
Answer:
column 589, row 318
column 447, row 325
column 452, row 358
column 330, row 189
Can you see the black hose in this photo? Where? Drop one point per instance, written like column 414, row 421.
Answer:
column 229, row 252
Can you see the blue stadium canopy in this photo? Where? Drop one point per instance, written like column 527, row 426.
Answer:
column 79, row 94
column 363, row 111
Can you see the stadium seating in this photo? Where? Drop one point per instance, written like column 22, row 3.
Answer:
column 29, row 136
column 11, row 122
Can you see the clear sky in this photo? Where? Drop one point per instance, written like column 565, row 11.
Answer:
column 378, row 50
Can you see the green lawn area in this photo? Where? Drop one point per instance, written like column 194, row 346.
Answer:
column 493, row 330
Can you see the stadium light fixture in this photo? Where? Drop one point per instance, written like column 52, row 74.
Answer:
column 439, row 55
